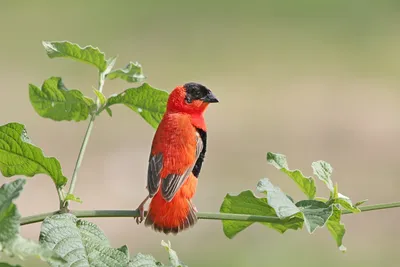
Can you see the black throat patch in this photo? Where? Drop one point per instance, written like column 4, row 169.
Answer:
column 199, row 162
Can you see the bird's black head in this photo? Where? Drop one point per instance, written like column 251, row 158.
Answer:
column 195, row 91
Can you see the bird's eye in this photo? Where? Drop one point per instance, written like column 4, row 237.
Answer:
column 188, row 100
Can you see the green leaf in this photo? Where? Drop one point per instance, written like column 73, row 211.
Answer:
column 72, row 198
column 323, row 170
column 306, row 184
column 148, row 102
column 19, row 157
column 336, row 228
column 173, row 257
column 109, row 111
column 359, row 203
column 110, row 65
column 87, row 54
column 335, row 193
column 278, row 200
column 346, row 203
column 131, row 73
column 141, row 260
column 89, row 230
column 23, row 248
column 56, row 102
column 247, row 203
column 342, row 200
column 9, row 215
column 323, row 199
column 125, row 250
column 315, row 213
column 4, row 264
column 80, row 242
column 11, row 243
column 101, row 97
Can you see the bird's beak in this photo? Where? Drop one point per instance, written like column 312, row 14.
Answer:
column 210, row 98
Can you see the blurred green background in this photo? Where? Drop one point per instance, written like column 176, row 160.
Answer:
column 311, row 79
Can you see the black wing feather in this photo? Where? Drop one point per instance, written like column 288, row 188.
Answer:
column 200, row 159
column 153, row 173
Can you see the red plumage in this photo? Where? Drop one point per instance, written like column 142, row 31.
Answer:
column 176, row 157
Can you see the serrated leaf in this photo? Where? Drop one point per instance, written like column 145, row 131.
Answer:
column 306, row 184
column 87, row 54
column 22, row 248
column 283, row 206
column 72, row 198
column 11, row 243
column 79, row 242
column 141, row 260
column 9, row 215
column 101, row 97
column 315, row 213
column 19, row 157
column 148, row 102
column 125, row 250
column 336, row 228
column 131, row 73
column 323, row 170
column 56, row 102
column 173, row 257
column 247, row 203
column 92, row 232
column 109, row 111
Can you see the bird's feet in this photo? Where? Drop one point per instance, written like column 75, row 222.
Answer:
column 140, row 218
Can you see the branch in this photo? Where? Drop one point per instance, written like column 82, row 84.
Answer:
column 200, row 215
column 81, row 153
column 85, row 142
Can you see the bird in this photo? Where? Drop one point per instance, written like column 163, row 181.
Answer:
column 176, row 158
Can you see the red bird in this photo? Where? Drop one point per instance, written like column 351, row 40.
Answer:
column 176, row 157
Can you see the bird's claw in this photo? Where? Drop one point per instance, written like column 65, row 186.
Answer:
column 140, row 218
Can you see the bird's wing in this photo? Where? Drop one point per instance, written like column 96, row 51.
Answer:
column 153, row 173
column 172, row 182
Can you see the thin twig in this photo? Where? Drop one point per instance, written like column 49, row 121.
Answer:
column 200, row 215
column 81, row 154
column 84, row 142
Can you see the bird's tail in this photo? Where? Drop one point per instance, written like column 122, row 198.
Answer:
column 170, row 217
